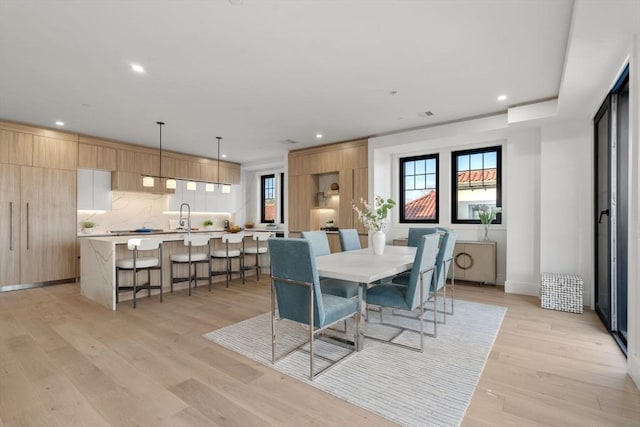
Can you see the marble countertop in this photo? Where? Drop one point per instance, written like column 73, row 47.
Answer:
column 165, row 235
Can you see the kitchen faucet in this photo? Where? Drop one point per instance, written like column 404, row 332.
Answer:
column 187, row 218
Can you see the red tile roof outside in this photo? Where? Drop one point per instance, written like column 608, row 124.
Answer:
column 475, row 177
column 424, row 207
column 421, row 208
column 270, row 211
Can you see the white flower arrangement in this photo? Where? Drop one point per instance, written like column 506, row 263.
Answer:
column 487, row 214
column 373, row 217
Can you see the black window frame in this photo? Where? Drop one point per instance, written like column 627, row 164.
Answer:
column 263, row 179
column 454, row 183
column 401, row 163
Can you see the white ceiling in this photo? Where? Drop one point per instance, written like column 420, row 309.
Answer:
column 260, row 72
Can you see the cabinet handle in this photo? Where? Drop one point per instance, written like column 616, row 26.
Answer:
column 27, row 226
column 468, row 258
column 10, row 226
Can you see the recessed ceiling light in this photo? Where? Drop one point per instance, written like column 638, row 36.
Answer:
column 224, row 155
column 137, row 68
column 502, row 97
column 319, row 135
column 59, row 123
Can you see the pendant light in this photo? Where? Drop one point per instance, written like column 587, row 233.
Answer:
column 149, row 181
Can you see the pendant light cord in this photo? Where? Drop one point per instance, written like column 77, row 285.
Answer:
column 160, row 174
column 218, row 138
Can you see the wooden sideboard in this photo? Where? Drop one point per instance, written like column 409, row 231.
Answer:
column 474, row 261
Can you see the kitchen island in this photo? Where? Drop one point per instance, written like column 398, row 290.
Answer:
column 98, row 255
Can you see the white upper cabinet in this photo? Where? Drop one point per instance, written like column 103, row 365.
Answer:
column 94, row 190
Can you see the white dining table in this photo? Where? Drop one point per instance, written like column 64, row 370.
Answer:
column 363, row 267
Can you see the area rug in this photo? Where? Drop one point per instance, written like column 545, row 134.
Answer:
column 433, row 388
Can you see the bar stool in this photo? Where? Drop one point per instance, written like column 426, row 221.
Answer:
column 192, row 259
column 257, row 250
column 228, row 253
column 138, row 263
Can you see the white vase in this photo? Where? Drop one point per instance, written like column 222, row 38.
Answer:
column 378, row 240
column 87, row 230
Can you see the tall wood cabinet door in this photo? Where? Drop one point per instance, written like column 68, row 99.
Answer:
column 10, row 225
column 48, row 229
column 301, row 193
column 360, row 190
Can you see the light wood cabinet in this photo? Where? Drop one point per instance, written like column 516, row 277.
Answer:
column 38, row 223
column 55, row 153
column 16, row 148
column 301, row 199
column 10, row 217
column 360, row 190
column 475, row 261
column 48, row 226
column 334, row 242
column 348, row 161
column 127, row 181
column 126, row 161
column 96, row 157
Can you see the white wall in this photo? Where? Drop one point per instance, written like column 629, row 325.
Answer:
column 521, row 188
column 249, row 209
column 566, row 205
column 385, row 151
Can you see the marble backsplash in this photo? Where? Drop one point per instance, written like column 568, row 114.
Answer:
column 130, row 211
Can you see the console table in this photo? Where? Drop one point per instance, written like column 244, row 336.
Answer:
column 475, row 261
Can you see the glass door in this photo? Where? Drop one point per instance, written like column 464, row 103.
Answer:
column 611, row 137
column 603, row 258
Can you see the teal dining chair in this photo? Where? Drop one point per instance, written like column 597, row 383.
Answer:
column 443, row 261
column 410, row 295
column 416, row 233
column 349, row 239
column 320, row 244
column 295, row 287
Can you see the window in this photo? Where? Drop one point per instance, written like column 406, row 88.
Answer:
column 268, row 198
column 476, row 182
column 419, row 189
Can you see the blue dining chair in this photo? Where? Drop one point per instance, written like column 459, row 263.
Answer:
column 443, row 262
column 416, row 233
column 319, row 241
column 349, row 239
column 295, row 286
column 411, row 295
column 320, row 244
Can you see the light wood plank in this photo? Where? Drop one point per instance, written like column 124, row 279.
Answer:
column 151, row 366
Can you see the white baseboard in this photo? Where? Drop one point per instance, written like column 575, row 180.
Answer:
column 522, row 288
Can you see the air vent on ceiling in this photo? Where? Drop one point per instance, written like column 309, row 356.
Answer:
column 288, row 142
column 425, row 114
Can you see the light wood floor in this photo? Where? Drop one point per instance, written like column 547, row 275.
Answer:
column 65, row 361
